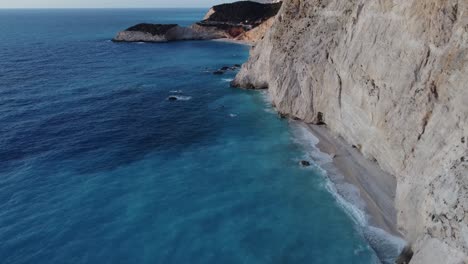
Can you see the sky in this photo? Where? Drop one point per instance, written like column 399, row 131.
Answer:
column 107, row 3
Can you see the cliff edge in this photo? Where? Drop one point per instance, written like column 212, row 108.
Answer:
column 390, row 77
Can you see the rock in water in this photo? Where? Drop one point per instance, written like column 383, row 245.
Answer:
column 172, row 98
column 305, row 163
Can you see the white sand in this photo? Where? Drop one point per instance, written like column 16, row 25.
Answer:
column 376, row 187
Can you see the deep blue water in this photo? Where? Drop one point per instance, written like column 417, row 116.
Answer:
column 96, row 166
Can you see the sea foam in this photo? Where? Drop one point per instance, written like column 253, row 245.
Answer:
column 180, row 97
column 385, row 245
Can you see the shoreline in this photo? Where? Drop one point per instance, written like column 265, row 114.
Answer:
column 235, row 41
column 376, row 187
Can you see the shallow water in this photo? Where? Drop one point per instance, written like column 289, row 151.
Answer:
column 97, row 166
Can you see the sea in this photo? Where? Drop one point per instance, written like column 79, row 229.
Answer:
column 98, row 166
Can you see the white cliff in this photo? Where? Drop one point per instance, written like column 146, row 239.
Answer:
column 390, row 77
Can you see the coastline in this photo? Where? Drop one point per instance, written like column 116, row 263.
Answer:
column 235, row 41
column 376, row 187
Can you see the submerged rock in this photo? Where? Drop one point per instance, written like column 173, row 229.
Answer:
column 224, row 69
column 172, row 98
column 305, row 163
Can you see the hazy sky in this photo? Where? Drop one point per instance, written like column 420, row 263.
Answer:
column 106, row 3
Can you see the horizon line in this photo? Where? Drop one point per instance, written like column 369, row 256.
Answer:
column 149, row 7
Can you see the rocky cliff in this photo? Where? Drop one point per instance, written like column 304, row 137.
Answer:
column 243, row 20
column 390, row 77
column 167, row 32
column 242, row 13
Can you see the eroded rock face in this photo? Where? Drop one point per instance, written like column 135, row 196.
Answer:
column 390, row 76
column 256, row 33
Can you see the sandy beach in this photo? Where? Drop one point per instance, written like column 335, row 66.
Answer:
column 376, row 187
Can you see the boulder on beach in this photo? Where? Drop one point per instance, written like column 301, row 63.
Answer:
column 405, row 256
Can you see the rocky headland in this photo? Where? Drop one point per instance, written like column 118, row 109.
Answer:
column 389, row 78
column 243, row 21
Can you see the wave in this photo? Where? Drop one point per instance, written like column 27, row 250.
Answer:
column 227, row 79
column 303, row 137
column 267, row 101
column 386, row 246
column 176, row 91
column 179, row 98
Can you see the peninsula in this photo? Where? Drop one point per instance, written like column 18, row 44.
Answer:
column 243, row 21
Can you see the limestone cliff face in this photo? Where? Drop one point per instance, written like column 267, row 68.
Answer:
column 257, row 33
column 391, row 77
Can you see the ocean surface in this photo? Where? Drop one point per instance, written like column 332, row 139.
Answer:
column 97, row 166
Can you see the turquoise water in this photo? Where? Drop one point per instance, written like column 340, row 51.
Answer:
column 97, row 166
